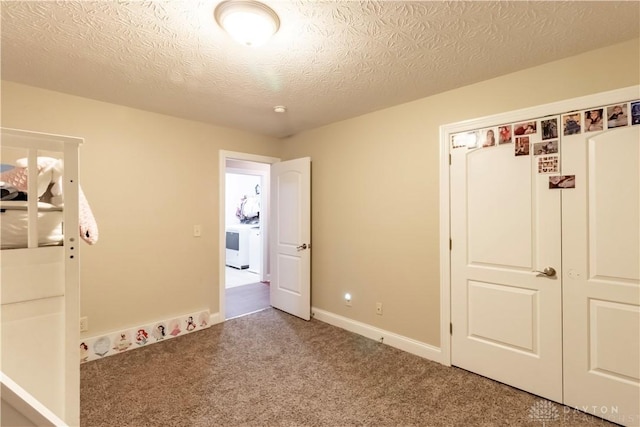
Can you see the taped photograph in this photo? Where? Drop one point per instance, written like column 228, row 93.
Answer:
column 571, row 124
column 617, row 116
column 549, row 128
column 562, row 181
column 522, row 146
column 548, row 164
column 504, row 134
column 526, row 128
column 548, row 147
column 593, row 120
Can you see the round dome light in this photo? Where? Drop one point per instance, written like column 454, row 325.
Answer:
column 248, row 22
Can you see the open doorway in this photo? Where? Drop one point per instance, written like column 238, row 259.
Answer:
column 246, row 289
column 244, row 284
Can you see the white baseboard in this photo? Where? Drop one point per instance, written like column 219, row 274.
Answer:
column 394, row 340
column 109, row 342
column 215, row 318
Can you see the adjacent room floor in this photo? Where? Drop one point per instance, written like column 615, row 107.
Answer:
column 244, row 293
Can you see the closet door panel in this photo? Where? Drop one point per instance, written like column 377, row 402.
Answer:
column 505, row 224
column 601, row 256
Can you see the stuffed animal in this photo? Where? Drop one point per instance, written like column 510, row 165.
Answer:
column 50, row 173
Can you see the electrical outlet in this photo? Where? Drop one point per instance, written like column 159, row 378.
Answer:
column 347, row 299
column 84, row 324
column 379, row 308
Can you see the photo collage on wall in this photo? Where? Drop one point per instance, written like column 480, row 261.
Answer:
column 601, row 118
column 540, row 137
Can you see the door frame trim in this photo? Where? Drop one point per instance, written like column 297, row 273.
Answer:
column 555, row 108
column 223, row 156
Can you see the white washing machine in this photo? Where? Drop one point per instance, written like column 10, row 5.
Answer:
column 237, row 247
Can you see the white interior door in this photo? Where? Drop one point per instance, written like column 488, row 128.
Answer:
column 505, row 223
column 291, row 237
column 601, row 254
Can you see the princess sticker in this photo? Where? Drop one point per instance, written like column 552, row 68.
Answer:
column 190, row 324
column 123, row 343
column 159, row 331
column 84, row 352
column 204, row 319
column 141, row 337
column 102, row 346
column 175, row 328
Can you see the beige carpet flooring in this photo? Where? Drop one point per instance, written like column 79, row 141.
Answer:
column 272, row 369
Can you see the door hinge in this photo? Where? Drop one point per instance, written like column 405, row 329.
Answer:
column 449, row 159
column 450, row 328
column 450, row 244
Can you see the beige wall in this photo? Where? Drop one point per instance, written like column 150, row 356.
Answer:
column 375, row 188
column 150, row 178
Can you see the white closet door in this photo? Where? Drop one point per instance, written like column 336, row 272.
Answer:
column 601, row 254
column 505, row 223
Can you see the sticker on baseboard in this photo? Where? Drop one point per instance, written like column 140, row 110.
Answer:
column 141, row 336
column 102, row 346
column 84, row 352
column 159, row 331
column 204, row 319
column 123, row 342
column 562, row 181
column 191, row 325
column 174, row 327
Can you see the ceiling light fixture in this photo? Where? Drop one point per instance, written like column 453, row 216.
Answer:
column 280, row 109
column 249, row 22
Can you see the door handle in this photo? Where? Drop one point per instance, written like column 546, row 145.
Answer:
column 302, row 247
column 548, row 271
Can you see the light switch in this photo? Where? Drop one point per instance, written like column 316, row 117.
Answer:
column 197, row 230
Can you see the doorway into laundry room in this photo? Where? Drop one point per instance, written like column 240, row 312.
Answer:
column 284, row 227
column 246, row 283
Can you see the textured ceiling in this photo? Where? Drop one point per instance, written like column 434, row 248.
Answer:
column 331, row 60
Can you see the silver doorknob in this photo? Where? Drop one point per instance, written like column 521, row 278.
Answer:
column 548, row 271
column 302, row 247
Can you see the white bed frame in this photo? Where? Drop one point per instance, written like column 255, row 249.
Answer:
column 39, row 300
